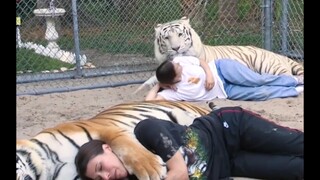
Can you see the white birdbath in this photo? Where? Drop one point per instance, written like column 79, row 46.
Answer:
column 51, row 34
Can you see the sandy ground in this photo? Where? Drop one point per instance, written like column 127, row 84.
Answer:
column 36, row 112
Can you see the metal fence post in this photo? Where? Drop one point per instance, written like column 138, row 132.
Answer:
column 267, row 24
column 76, row 37
column 284, row 28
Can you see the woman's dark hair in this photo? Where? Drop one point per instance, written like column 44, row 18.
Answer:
column 165, row 73
column 86, row 152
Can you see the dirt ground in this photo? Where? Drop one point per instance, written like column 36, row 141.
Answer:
column 36, row 112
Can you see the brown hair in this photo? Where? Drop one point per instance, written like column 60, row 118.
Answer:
column 165, row 73
column 86, row 152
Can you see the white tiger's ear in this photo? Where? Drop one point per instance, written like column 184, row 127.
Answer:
column 184, row 18
column 185, row 21
column 157, row 26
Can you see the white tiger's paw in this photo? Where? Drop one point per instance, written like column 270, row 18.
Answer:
column 152, row 81
column 149, row 83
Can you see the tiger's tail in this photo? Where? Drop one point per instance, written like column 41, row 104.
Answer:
column 150, row 82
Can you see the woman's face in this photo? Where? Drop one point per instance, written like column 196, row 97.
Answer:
column 106, row 166
column 178, row 70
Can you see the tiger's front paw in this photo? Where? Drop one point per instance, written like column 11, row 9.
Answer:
column 146, row 167
column 142, row 163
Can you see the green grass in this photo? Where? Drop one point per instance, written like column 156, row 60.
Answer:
column 101, row 26
column 28, row 60
column 131, row 40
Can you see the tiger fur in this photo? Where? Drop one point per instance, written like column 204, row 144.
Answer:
column 50, row 154
column 177, row 38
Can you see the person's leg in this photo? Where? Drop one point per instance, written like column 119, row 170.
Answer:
column 260, row 93
column 260, row 148
column 248, row 131
column 266, row 166
column 234, row 72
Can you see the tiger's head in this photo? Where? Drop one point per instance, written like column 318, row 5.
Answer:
column 176, row 38
column 29, row 164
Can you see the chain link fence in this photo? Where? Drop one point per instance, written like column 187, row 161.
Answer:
column 69, row 45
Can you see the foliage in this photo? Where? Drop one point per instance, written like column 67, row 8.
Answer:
column 27, row 60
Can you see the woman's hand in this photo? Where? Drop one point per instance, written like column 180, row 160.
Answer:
column 177, row 168
column 209, row 76
column 209, row 82
column 153, row 94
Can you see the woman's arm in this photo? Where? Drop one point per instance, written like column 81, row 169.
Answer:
column 153, row 93
column 164, row 141
column 177, row 168
column 209, row 76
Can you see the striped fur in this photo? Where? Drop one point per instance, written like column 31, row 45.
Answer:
column 179, row 38
column 50, row 154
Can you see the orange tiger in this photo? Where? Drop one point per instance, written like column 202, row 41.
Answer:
column 50, row 154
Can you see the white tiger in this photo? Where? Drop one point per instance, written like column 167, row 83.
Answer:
column 176, row 38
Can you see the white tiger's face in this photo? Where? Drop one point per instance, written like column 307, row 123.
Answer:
column 174, row 38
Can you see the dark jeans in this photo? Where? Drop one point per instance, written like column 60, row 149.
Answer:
column 259, row 148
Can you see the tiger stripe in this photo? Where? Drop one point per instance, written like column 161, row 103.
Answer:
column 50, row 154
column 177, row 37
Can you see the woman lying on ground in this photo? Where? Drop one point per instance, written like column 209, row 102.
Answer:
column 232, row 80
column 228, row 142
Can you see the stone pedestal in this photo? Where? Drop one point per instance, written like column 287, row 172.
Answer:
column 51, row 34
